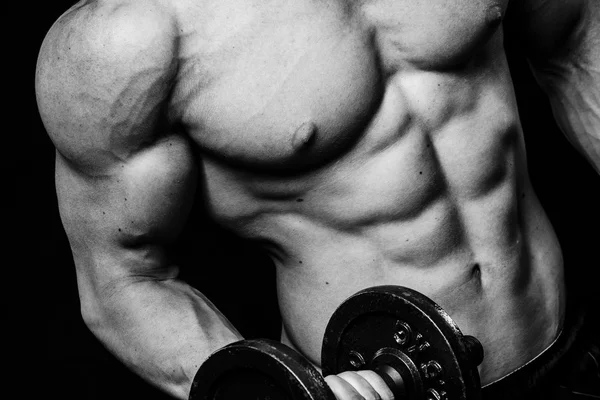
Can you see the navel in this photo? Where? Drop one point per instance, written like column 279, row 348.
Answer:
column 304, row 135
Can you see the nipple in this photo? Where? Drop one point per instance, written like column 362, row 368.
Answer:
column 304, row 135
column 494, row 15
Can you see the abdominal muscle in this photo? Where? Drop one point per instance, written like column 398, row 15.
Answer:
column 510, row 299
column 484, row 251
column 435, row 197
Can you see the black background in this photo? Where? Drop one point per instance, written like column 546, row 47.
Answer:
column 69, row 363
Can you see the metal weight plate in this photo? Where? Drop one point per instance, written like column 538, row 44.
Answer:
column 438, row 362
column 258, row 369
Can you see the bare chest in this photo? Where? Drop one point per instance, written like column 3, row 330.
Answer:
column 288, row 85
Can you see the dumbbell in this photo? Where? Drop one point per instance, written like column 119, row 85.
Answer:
column 401, row 334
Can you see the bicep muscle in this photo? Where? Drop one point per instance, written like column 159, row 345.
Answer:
column 124, row 180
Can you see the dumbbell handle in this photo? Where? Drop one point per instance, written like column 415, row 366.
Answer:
column 393, row 379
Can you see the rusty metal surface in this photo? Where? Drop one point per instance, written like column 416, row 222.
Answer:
column 258, row 369
column 399, row 327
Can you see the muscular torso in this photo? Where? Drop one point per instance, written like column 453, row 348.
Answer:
column 368, row 143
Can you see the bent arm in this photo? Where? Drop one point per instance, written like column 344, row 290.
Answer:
column 563, row 44
column 119, row 227
column 125, row 184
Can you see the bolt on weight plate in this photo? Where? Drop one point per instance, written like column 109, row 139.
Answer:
column 398, row 326
column 258, row 369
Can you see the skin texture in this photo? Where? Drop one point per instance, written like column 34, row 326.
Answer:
column 363, row 143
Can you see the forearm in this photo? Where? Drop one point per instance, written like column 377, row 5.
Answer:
column 571, row 79
column 161, row 329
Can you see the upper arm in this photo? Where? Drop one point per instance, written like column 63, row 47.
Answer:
column 556, row 35
column 561, row 39
column 124, row 180
column 543, row 28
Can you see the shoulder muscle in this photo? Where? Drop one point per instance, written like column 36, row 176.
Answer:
column 103, row 74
